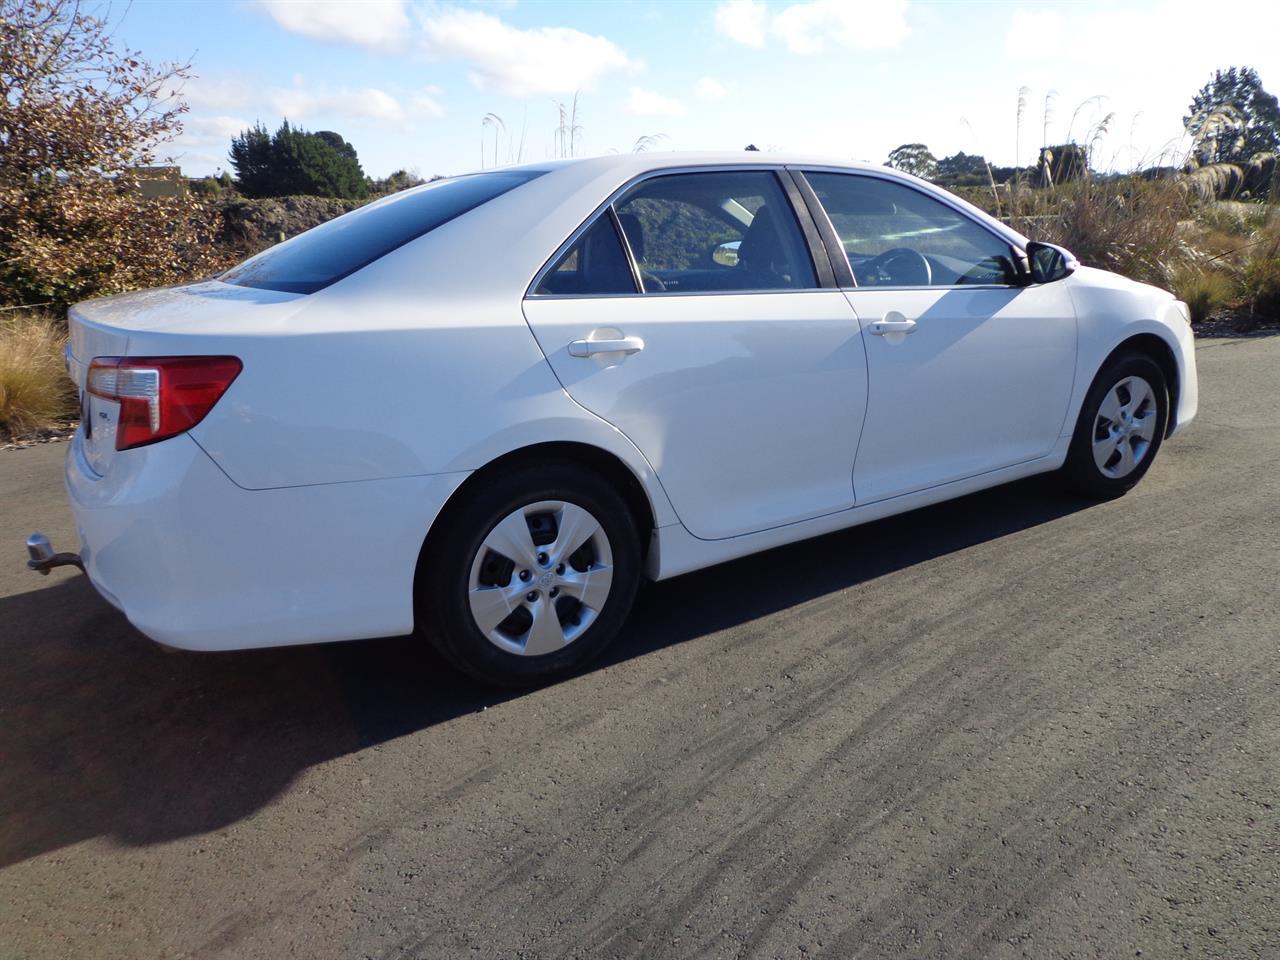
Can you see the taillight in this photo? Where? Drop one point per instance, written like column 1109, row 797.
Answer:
column 160, row 397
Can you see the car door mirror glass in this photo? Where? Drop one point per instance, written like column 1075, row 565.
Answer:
column 726, row 255
column 1048, row 262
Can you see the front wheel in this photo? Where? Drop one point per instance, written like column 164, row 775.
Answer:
column 1122, row 422
column 531, row 576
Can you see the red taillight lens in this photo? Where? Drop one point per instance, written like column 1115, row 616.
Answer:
column 160, row 397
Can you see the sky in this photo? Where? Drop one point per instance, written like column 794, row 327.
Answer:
column 410, row 83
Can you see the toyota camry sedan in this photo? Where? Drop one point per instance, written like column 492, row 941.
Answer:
column 484, row 409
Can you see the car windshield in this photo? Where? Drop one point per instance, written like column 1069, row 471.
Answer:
column 337, row 249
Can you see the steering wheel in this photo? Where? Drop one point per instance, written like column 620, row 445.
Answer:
column 901, row 266
column 652, row 283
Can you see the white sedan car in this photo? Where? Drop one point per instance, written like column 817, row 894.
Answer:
column 484, row 409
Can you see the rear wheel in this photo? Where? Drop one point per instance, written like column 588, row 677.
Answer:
column 530, row 577
column 1122, row 422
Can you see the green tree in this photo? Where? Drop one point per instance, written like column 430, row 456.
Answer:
column 962, row 170
column 395, row 182
column 1232, row 118
column 1062, row 163
column 251, row 159
column 293, row 161
column 915, row 159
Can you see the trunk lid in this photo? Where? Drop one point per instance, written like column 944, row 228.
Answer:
column 172, row 321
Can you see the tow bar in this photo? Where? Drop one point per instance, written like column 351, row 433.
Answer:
column 43, row 559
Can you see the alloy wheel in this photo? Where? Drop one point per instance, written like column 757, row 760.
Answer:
column 540, row 578
column 1125, row 427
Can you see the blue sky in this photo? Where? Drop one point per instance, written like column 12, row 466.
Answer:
column 410, row 83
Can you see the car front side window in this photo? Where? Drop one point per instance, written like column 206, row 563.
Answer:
column 897, row 236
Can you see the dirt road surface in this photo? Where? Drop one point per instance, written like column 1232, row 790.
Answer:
column 1016, row 725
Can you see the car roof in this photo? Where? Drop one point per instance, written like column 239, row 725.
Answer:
column 589, row 173
column 532, row 222
column 644, row 161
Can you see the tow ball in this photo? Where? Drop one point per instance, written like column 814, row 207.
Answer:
column 42, row 559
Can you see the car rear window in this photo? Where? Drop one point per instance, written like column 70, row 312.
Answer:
column 337, row 249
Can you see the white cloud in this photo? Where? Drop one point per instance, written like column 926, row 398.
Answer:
column 709, row 88
column 522, row 63
column 218, row 93
column 426, row 103
column 208, row 130
column 370, row 103
column 301, row 102
column 808, row 28
column 864, row 25
column 1031, row 32
column 743, row 21
column 646, row 103
column 502, row 58
column 376, row 24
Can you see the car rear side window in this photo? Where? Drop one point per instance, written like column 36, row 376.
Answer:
column 595, row 264
column 337, row 249
column 719, row 232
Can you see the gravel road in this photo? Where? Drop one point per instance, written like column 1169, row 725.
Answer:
column 1016, row 725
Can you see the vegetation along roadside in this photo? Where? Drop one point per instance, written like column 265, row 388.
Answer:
column 88, row 209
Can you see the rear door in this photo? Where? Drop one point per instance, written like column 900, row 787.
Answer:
column 969, row 372
column 691, row 314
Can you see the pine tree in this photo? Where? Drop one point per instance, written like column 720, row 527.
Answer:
column 1233, row 118
column 294, row 161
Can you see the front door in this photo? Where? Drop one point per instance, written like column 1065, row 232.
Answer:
column 968, row 372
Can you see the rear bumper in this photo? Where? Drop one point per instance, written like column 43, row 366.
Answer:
column 198, row 563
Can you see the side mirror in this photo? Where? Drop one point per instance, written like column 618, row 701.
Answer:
column 726, row 255
column 1047, row 262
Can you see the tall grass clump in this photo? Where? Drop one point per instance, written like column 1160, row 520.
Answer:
column 1204, row 291
column 1262, row 284
column 34, row 388
column 1124, row 224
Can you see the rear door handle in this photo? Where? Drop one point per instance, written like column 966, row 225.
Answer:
column 882, row 327
column 591, row 348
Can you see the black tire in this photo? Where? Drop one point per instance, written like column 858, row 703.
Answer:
column 1081, row 471
column 443, row 582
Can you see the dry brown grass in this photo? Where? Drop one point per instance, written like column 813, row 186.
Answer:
column 1239, row 249
column 1262, row 284
column 35, row 391
column 1129, row 225
column 1203, row 290
column 1220, row 257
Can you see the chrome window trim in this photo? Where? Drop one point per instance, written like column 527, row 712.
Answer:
column 778, row 292
column 1008, row 241
column 777, row 169
column 950, row 286
column 637, row 279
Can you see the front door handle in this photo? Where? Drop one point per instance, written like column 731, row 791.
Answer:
column 591, row 348
column 883, row 327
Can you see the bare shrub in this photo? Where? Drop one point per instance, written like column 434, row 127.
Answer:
column 79, row 113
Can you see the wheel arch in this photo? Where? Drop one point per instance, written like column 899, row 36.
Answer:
column 585, row 455
column 1154, row 347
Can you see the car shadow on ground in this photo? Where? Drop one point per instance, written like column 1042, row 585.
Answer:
column 103, row 733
